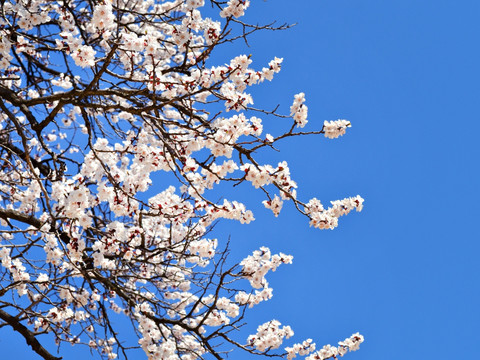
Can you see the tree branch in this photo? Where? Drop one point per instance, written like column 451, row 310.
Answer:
column 44, row 170
column 16, row 215
column 28, row 335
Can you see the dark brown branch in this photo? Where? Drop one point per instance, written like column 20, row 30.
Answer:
column 44, row 169
column 28, row 335
column 16, row 215
column 11, row 97
column 32, row 220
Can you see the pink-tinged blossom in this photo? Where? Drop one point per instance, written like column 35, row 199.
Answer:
column 84, row 56
column 275, row 205
column 350, row 344
column 257, row 265
column 63, row 82
column 335, row 128
column 5, row 56
column 269, row 335
column 235, row 8
column 299, row 110
column 103, row 17
column 328, row 218
column 301, row 349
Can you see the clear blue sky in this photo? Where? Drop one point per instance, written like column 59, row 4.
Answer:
column 405, row 271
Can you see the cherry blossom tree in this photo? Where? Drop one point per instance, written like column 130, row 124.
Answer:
column 97, row 99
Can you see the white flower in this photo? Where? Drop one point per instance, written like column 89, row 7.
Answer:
column 84, row 56
column 275, row 205
column 335, row 128
column 103, row 17
column 299, row 110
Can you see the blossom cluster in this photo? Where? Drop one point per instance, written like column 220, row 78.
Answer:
column 269, row 336
column 335, row 128
column 275, row 205
column 328, row 218
column 302, row 349
column 350, row 344
column 103, row 17
column 257, row 265
column 5, row 47
column 235, row 8
column 299, row 110
column 30, row 14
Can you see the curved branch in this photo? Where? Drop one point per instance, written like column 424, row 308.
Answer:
column 17, row 215
column 28, row 335
column 44, row 169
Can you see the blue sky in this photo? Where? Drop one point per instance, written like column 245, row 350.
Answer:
column 405, row 271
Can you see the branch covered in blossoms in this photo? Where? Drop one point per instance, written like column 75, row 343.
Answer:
column 117, row 125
